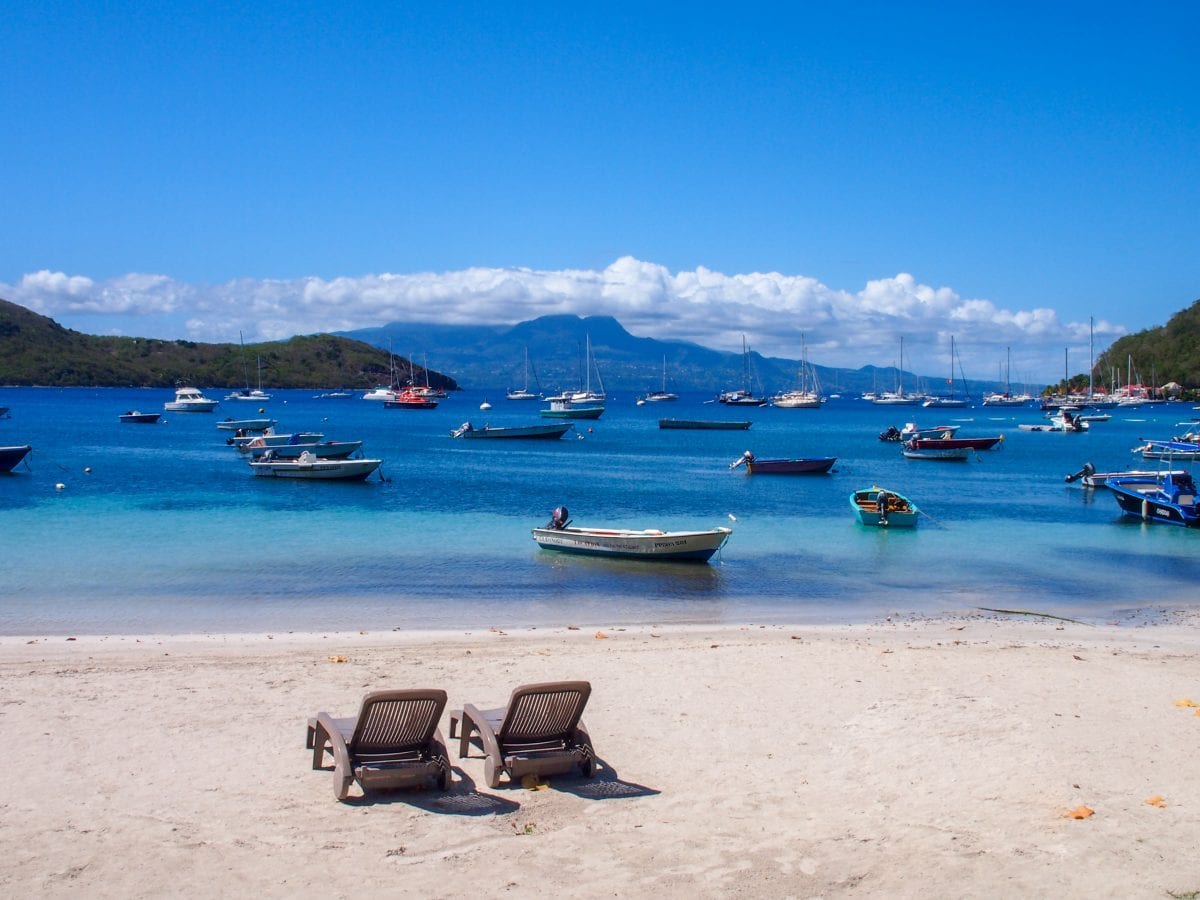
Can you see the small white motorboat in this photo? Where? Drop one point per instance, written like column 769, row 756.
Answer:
column 246, row 425
column 648, row 544
column 306, row 465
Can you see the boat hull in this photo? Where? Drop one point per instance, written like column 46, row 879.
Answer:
column 702, row 425
column 550, row 432
column 649, row 545
column 573, row 412
column 1169, row 500
column 245, row 424
column 191, row 406
column 942, row 454
column 955, row 443
column 326, row 450
column 139, row 418
column 901, row 512
column 807, row 466
column 10, row 456
column 317, row 470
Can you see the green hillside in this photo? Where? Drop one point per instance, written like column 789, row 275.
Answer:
column 35, row 350
column 1160, row 355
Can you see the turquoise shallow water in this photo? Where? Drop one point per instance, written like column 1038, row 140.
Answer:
column 170, row 532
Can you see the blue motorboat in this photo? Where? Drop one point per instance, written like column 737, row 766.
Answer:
column 1168, row 497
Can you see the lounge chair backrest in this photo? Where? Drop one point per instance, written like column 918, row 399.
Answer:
column 397, row 720
column 542, row 711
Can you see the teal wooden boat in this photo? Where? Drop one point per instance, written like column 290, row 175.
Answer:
column 879, row 506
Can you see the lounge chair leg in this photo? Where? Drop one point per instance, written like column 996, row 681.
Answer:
column 492, row 772
column 466, row 728
column 341, row 783
column 318, row 739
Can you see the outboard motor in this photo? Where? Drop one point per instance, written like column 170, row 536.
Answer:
column 559, row 518
column 892, row 434
column 1088, row 469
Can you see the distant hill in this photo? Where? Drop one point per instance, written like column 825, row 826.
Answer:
column 36, row 350
column 494, row 357
column 1170, row 352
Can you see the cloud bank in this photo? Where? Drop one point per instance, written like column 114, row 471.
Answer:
column 773, row 310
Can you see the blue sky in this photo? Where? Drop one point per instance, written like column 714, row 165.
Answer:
column 853, row 172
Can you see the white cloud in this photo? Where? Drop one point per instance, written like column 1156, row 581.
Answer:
column 841, row 327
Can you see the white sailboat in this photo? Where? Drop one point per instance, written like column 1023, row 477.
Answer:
column 253, row 395
column 898, row 397
column 807, row 395
column 524, row 393
column 950, row 402
column 664, row 394
column 587, row 395
column 1007, row 398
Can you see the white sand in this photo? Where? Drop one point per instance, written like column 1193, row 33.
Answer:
column 901, row 760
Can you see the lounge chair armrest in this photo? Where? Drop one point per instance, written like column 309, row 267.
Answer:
column 337, row 741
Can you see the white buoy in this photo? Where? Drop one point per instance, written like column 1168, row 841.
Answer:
column 60, row 487
column 87, row 470
column 485, row 405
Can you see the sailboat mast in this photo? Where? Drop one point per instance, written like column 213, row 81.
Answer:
column 1091, row 355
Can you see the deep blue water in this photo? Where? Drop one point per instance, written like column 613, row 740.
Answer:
column 170, row 532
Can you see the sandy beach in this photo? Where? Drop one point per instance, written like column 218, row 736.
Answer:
column 903, row 759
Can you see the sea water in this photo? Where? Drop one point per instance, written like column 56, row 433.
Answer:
column 170, row 531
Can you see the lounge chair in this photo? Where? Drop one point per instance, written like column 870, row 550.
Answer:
column 394, row 742
column 539, row 732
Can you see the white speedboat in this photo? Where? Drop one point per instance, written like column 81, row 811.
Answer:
column 189, row 399
column 306, row 465
column 245, row 425
column 647, row 544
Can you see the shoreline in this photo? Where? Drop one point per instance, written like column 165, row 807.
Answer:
column 932, row 757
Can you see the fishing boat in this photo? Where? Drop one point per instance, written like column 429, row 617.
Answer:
column 1167, row 498
column 543, row 432
column 189, row 399
column 246, row 425
column 703, row 424
column 1062, row 421
column 951, row 442
column 136, row 417
column 311, row 467
column 321, row 450
column 946, row 454
column 952, row 401
column 1181, row 450
column 244, row 443
column 650, row 544
column 1089, row 477
column 564, row 407
column 409, row 398
column 10, row 456
column 878, row 506
column 523, row 393
column 812, row 465
column 910, row 431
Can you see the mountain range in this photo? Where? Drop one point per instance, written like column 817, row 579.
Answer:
column 494, row 357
